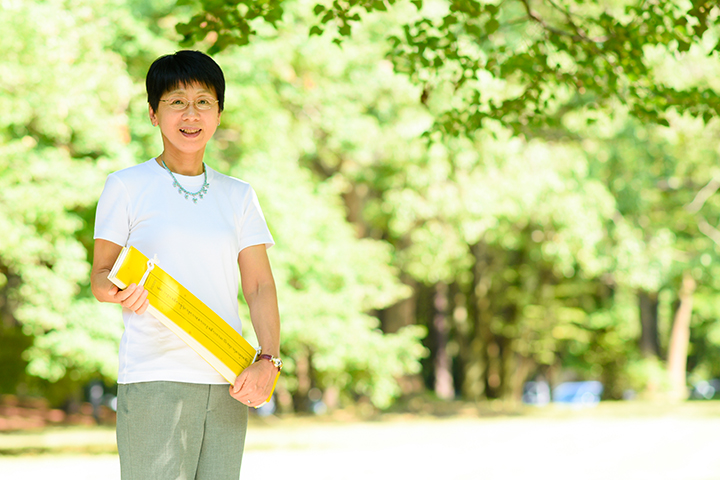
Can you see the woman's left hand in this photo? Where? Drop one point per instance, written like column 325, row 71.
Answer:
column 254, row 384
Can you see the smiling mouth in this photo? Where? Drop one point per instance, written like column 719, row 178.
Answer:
column 190, row 131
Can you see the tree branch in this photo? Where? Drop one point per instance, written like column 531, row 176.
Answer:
column 534, row 16
column 709, row 231
column 706, row 192
column 578, row 36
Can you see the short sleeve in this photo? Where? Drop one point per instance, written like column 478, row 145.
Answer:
column 112, row 218
column 253, row 227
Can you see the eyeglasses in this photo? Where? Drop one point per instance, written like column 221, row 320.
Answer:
column 203, row 103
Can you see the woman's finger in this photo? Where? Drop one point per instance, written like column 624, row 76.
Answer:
column 138, row 299
column 144, row 307
column 133, row 297
column 123, row 295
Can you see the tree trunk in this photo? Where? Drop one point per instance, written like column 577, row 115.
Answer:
column 355, row 202
column 444, row 387
column 475, row 354
column 519, row 376
column 680, row 339
column 509, row 368
column 649, row 343
column 401, row 314
column 494, row 374
column 304, row 382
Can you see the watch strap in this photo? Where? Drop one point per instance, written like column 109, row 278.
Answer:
column 274, row 360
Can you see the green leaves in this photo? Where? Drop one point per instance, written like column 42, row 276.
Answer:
column 516, row 42
column 504, row 150
column 68, row 92
column 228, row 23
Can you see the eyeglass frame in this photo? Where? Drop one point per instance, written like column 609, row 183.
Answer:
column 188, row 103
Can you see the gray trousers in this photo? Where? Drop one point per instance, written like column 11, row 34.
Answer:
column 179, row 431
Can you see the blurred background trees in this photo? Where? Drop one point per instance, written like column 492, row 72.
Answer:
column 468, row 194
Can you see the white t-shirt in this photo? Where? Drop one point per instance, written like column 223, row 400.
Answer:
column 196, row 243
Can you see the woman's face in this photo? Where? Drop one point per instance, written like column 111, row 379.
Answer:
column 188, row 117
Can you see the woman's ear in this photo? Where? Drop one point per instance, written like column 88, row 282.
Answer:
column 153, row 116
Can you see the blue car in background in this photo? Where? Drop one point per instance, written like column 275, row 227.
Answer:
column 705, row 390
column 578, row 393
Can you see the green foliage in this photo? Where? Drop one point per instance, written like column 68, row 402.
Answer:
column 548, row 235
column 84, row 346
column 75, row 82
column 12, row 345
column 328, row 279
column 230, row 21
column 545, row 57
column 542, row 160
column 648, row 376
column 705, row 336
column 65, row 92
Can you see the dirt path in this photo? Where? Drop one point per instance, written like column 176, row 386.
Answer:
column 660, row 448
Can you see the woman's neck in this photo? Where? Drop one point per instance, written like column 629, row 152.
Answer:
column 189, row 165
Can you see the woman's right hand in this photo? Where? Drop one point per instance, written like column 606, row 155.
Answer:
column 133, row 298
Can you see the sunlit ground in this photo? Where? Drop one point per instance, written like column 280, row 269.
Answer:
column 613, row 441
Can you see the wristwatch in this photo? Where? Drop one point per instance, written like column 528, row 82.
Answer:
column 275, row 360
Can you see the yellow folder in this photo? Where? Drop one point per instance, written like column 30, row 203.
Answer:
column 183, row 313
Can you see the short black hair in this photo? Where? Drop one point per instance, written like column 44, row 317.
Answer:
column 183, row 68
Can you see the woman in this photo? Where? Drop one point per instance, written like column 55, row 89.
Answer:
column 175, row 416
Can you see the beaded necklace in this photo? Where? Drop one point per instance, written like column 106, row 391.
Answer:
column 181, row 190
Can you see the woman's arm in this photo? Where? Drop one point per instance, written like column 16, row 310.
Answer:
column 133, row 297
column 254, row 385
